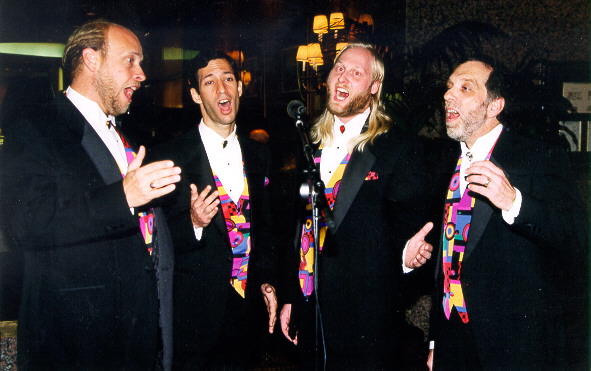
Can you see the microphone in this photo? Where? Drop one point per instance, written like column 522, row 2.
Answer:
column 296, row 109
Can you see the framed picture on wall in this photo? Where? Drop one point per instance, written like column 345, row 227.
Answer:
column 579, row 95
column 571, row 134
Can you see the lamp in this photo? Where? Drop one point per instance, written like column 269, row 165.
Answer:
column 337, row 22
column 315, row 55
column 320, row 26
column 245, row 77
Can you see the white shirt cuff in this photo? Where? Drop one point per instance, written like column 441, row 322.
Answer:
column 405, row 269
column 510, row 215
column 198, row 232
column 431, row 345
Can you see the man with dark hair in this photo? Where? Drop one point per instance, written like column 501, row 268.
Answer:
column 221, row 224
column 511, row 211
column 375, row 188
column 74, row 196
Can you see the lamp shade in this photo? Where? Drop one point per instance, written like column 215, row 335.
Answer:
column 246, row 77
column 365, row 18
column 302, row 55
column 340, row 47
column 320, row 24
column 314, row 51
column 337, row 21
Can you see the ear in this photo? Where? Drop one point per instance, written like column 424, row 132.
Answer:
column 91, row 59
column 239, row 88
column 375, row 86
column 495, row 107
column 196, row 97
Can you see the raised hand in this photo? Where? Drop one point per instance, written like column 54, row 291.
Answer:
column 142, row 184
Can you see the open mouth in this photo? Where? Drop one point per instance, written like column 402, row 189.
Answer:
column 129, row 92
column 451, row 114
column 341, row 94
column 225, row 105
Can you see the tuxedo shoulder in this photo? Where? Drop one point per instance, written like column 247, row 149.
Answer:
column 393, row 141
column 178, row 149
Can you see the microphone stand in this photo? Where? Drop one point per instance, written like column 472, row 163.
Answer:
column 319, row 205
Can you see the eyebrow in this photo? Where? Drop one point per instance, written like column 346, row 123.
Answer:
column 211, row 74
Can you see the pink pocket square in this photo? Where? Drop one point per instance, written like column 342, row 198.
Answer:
column 372, row 175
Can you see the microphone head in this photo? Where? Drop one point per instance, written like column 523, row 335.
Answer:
column 296, row 109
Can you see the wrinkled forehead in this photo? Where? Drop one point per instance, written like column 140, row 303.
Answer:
column 473, row 71
column 215, row 67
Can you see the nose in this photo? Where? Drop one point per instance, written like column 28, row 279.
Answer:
column 221, row 87
column 448, row 95
column 139, row 74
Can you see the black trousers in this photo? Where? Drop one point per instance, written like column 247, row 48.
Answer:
column 236, row 349
column 455, row 349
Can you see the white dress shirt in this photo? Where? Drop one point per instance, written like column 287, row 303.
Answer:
column 334, row 152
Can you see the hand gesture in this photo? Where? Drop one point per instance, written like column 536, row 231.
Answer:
column 142, row 184
column 204, row 206
column 418, row 251
column 285, row 319
column 485, row 178
column 270, row 298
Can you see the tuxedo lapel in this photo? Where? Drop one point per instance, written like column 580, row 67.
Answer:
column 100, row 155
column 359, row 165
column 92, row 144
column 483, row 208
column 204, row 177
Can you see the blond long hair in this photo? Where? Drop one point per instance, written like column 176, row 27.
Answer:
column 378, row 122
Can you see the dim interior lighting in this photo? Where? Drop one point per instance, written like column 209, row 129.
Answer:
column 178, row 54
column 245, row 77
column 340, row 47
column 50, row 50
column 365, row 18
column 237, row 56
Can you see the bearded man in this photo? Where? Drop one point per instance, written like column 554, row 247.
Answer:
column 374, row 185
column 512, row 219
column 98, row 259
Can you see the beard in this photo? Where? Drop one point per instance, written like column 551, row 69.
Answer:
column 473, row 121
column 108, row 94
column 355, row 106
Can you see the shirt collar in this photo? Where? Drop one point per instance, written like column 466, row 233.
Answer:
column 212, row 139
column 482, row 145
column 90, row 109
column 353, row 127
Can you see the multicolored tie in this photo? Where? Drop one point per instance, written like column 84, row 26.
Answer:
column 456, row 227
column 237, row 218
column 307, row 243
column 146, row 218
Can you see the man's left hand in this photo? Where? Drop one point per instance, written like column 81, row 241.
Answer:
column 271, row 301
column 486, row 179
column 418, row 251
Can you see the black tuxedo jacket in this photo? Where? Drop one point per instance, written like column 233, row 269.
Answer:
column 90, row 292
column 510, row 273
column 203, row 267
column 360, row 268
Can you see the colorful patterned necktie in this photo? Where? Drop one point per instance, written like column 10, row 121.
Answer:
column 146, row 218
column 456, row 227
column 307, row 243
column 237, row 217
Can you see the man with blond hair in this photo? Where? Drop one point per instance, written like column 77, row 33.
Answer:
column 374, row 184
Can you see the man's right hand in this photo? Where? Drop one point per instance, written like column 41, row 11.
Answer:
column 204, row 206
column 430, row 360
column 285, row 319
column 142, row 184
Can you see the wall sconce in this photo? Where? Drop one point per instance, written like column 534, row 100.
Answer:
column 245, row 77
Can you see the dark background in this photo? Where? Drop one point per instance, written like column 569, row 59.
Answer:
column 543, row 42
